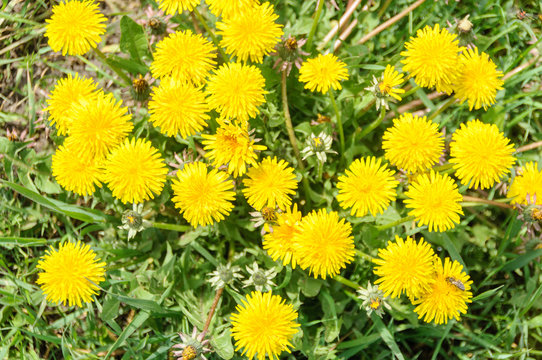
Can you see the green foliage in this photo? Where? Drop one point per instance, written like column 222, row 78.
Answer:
column 156, row 284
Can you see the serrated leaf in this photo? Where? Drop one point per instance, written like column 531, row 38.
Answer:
column 133, row 40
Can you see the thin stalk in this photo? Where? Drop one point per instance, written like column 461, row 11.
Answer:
column 488, row 202
column 374, row 124
column 293, row 141
column 411, row 91
column 174, row 227
column 346, row 282
column 446, row 105
column 212, row 35
column 314, row 24
column 529, row 147
column 363, row 255
column 444, row 167
column 395, row 223
column 339, row 122
column 118, row 71
column 212, row 310
column 320, row 170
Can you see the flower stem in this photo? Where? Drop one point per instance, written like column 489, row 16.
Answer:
column 486, row 201
column 363, row 255
column 293, row 141
column 320, row 169
column 314, row 24
column 339, row 122
column 212, row 310
column 346, row 282
column 529, row 147
column 446, row 105
column 374, row 124
column 411, row 91
column 212, row 35
column 118, row 71
column 174, row 227
column 395, row 223
column 444, row 167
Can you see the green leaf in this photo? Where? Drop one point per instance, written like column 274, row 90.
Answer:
column 139, row 319
column 222, row 345
column 330, row 320
column 387, row 336
column 133, row 40
column 522, row 260
column 309, row 286
column 110, row 308
column 486, row 294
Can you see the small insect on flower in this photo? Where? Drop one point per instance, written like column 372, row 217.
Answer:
column 456, row 282
column 269, row 214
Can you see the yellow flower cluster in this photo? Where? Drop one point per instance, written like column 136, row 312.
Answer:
column 440, row 291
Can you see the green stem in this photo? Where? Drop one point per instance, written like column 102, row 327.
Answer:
column 174, row 227
column 447, row 104
column 363, row 255
column 320, row 170
column 374, row 124
column 314, row 24
column 212, row 35
column 410, row 92
column 395, row 223
column 346, row 282
column 293, row 141
column 339, row 122
column 444, row 167
column 118, row 71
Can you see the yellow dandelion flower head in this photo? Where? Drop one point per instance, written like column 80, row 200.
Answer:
column 236, row 90
column 75, row 27
column 202, row 196
column 67, row 91
column 367, row 186
column 70, row 274
column 178, row 107
column 232, row 146
column 478, row 80
column 448, row 295
column 481, row 154
column 99, row 124
column 250, row 34
column 263, row 325
column 135, row 171
column 413, row 143
column 279, row 243
column 229, row 8
column 75, row 173
column 171, row 7
column 432, row 58
column 324, row 243
column 404, row 266
column 323, row 72
column 390, row 79
column 184, row 56
column 435, row 201
column 270, row 183
column 526, row 188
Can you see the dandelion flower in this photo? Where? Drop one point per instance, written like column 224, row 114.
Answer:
column 70, row 274
column 526, row 188
column 250, row 34
column 324, row 243
column 236, row 91
column 413, row 143
column 178, row 107
column 481, row 154
column 75, row 27
column 184, row 56
column 232, row 146
column 171, row 7
column 270, row 183
column 435, row 201
column 264, row 325
column 229, row 8
column 404, row 266
column 279, row 243
column 99, row 124
column 202, row 196
column 390, row 79
column 432, row 58
column 75, row 173
column 448, row 295
column 67, row 91
column 367, row 187
column 323, row 72
column 135, row 171
column 478, row 80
